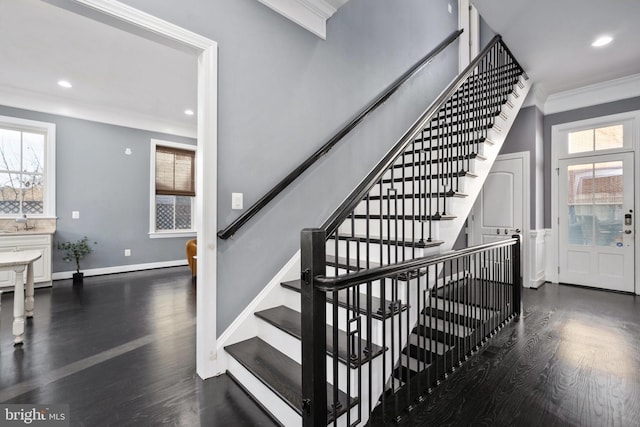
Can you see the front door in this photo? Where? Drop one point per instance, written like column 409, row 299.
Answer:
column 596, row 221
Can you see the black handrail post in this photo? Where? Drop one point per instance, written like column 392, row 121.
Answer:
column 314, row 340
column 517, row 276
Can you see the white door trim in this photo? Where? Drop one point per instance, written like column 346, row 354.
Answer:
column 469, row 45
column 526, row 212
column 557, row 152
column 206, row 177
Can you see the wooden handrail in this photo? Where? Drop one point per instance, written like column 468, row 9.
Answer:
column 232, row 228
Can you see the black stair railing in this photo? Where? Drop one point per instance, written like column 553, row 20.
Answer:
column 442, row 309
column 370, row 255
column 232, row 228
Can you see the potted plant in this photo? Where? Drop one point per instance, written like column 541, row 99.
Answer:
column 75, row 251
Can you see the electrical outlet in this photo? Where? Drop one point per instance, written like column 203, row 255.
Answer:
column 127, row 252
column 75, row 214
column 236, row 201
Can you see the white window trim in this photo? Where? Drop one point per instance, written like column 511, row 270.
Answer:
column 49, row 129
column 153, row 233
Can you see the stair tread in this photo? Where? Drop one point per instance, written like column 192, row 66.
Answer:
column 432, row 176
column 452, row 144
column 420, row 244
column 405, row 217
column 278, row 372
column 470, row 156
column 434, row 324
column 290, row 321
column 376, row 311
column 419, row 196
column 482, row 293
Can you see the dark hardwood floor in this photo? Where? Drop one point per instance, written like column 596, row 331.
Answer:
column 120, row 351
column 573, row 359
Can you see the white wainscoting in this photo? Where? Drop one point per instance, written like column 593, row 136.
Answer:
column 551, row 268
column 537, row 258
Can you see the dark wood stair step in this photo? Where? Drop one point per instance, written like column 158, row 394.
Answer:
column 280, row 374
column 405, row 217
column 457, row 174
column 461, row 157
column 289, row 321
column 477, row 293
column 420, row 244
column 418, row 196
column 474, row 142
column 376, row 307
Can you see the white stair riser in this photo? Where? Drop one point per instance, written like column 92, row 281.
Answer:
column 405, row 229
column 415, row 187
column 378, row 253
column 413, row 206
column 431, row 169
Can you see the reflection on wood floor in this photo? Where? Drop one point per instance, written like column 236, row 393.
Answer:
column 573, row 359
column 120, row 350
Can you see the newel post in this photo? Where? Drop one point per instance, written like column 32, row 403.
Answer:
column 314, row 340
column 517, row 276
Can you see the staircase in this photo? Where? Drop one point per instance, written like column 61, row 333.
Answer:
column 384, row 310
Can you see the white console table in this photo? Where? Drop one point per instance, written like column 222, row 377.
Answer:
column 22, row 295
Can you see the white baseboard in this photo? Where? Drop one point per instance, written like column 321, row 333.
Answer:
column 120, row 269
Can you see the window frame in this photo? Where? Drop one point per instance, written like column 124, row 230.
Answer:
column 49, row 173
column 566, row 129
column 163, row 234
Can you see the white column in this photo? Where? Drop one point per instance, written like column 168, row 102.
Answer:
column 206, row 302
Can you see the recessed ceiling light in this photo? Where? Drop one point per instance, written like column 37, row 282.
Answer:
column 188, row 112
column 602, row 41
column 65, row 84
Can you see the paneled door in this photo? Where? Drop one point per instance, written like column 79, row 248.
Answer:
column 596, row 221
column 498, row 211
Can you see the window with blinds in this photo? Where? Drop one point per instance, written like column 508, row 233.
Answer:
column 173, row 181
column 175, row 172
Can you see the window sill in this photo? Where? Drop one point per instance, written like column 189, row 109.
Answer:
column 171, row 234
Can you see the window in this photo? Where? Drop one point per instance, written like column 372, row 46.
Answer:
column 172, row 189
column 27, row 168
column 594, row 139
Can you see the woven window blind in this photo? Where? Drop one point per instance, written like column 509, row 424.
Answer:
column 175, row 172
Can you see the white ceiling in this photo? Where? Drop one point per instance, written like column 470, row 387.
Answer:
column 552, row 39
column 125, row 79
column 117, row 77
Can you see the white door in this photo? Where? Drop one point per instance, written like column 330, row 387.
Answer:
column 498, row 212
column 596, row 221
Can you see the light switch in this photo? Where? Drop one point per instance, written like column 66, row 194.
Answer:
column 75, row 214
column 236, row 201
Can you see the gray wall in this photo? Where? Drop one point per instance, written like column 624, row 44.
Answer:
column 283, row 92
column 110, row 189
column 486, row 34
column 526, row 135
column 550, row 120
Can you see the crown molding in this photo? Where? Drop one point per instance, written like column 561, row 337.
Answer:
column 23, row 99
column 599, row 93
column 311, row 15
column 123, row 12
